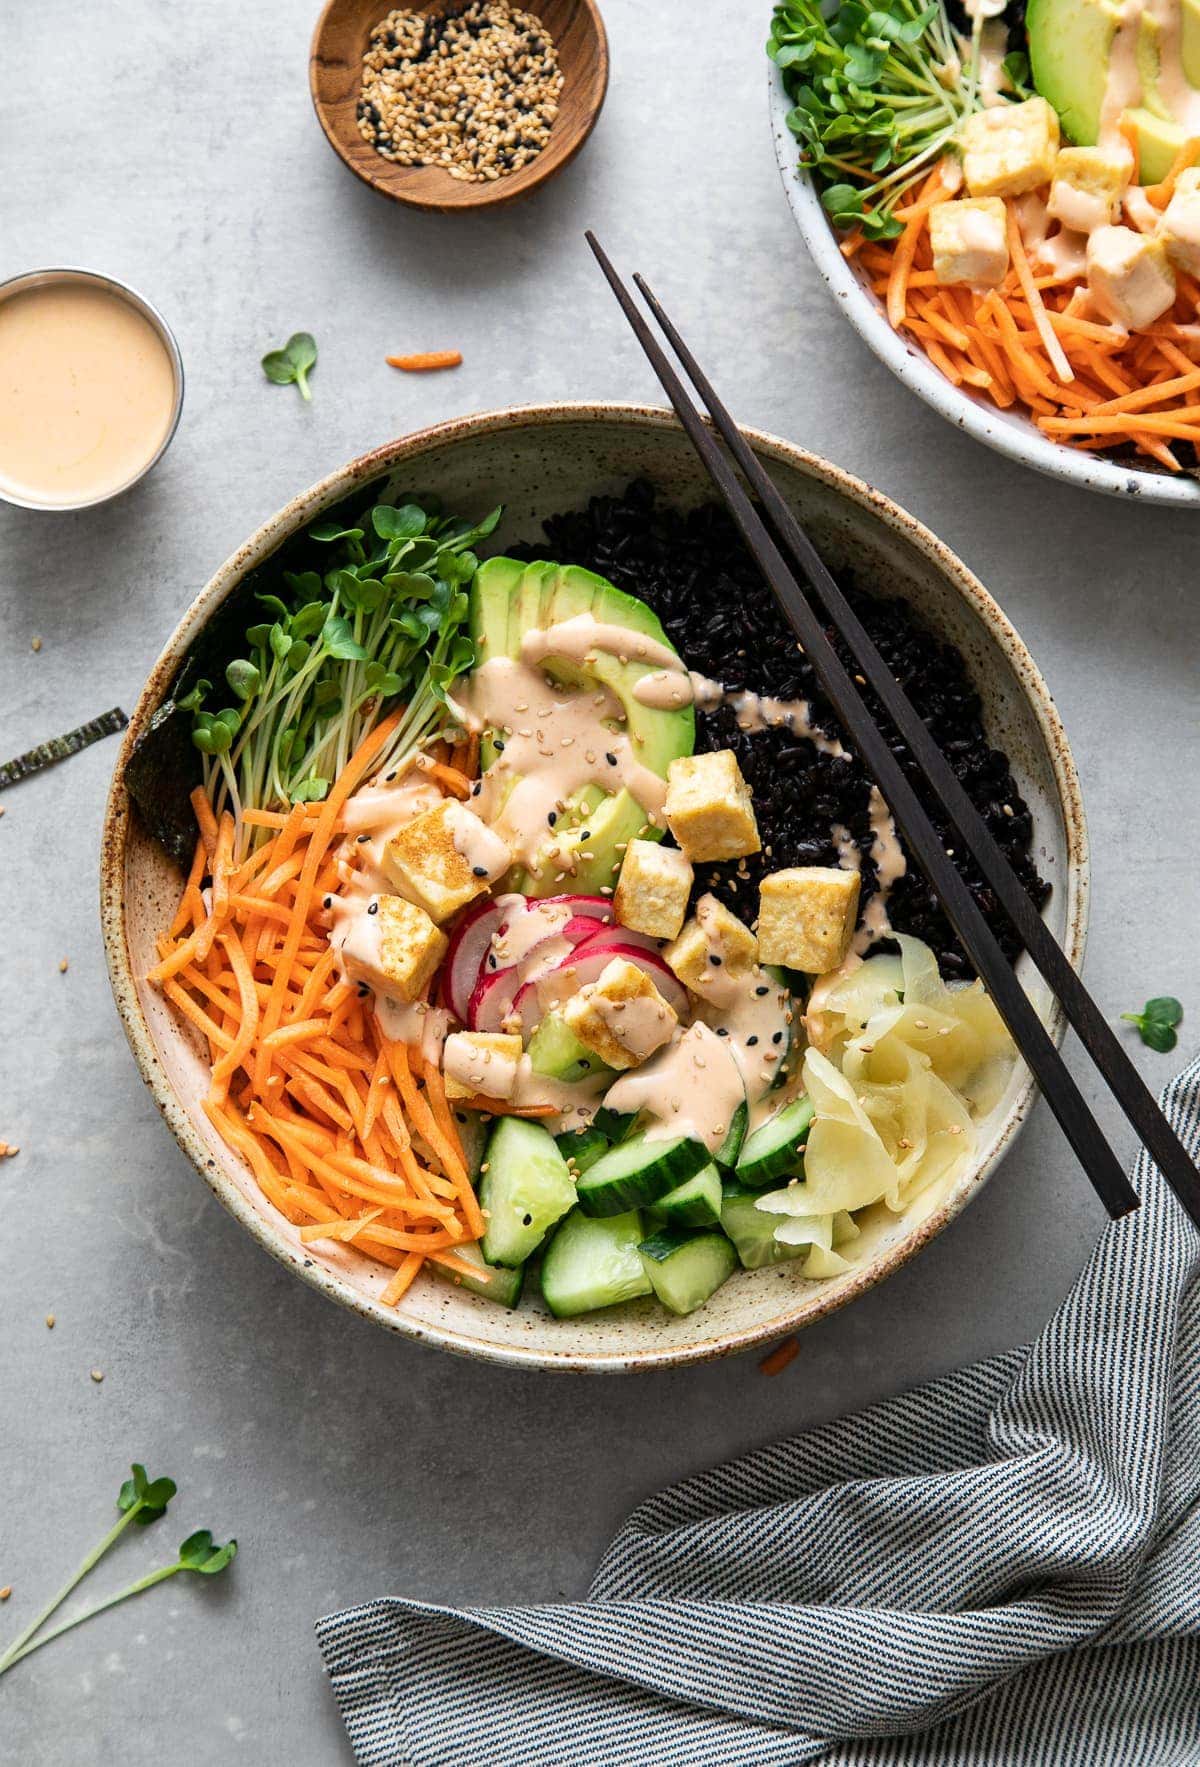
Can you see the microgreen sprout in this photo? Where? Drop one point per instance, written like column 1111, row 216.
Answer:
column 292, row 363
column 384, row 621
column 878, row 93
column 139, row 1500
column 198, row 1553
column 1156, row 1022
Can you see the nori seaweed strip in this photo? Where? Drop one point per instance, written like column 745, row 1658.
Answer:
column 60, row 747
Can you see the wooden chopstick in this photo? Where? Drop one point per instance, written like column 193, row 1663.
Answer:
column 1095, row 1033
column 1028, row 1032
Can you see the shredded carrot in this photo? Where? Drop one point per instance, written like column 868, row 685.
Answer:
column 1037, row 342
column 779, row 1358
column 423, row 363
column 348, row 1134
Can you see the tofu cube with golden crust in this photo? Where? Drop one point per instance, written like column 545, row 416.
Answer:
column 1129, row 276
column 709, row 809
column 1009, row 148
column 1179, row 228
column 806, row 917
column 444, row 858
column 713, row 944
column 970, row 241
column 621, row 1016
column 653, row 889
column 394, row 947
column 480, row 1063
column 1087, row 187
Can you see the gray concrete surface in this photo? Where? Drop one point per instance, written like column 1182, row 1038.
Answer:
column 186, row 159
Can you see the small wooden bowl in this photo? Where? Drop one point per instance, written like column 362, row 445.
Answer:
column 335, row 79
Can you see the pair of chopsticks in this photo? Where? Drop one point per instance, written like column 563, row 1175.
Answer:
column 772, row 546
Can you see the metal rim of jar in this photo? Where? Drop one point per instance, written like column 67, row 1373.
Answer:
column 71, row 273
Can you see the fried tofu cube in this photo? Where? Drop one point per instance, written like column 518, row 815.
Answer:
column 713, row 944
column 444, row 858
column 1179, row 228
column 806, row 917
column 709, row 808
column 621, row 1016
column 393, row 947
column 1009, row 148
column 970, row 241
column 1129, row 276
column 480, row 1063
column 1087, row 187
column 653, row 889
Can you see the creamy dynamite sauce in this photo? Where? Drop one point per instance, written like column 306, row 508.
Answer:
column 692, row 1087
column 554, row 740
column 87, row 393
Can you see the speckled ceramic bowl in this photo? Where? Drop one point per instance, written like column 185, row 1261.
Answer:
column 1006, row 431
column 536, row 461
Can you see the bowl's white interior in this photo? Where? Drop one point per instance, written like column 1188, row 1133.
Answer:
column 535, row 463
column 1007, row 431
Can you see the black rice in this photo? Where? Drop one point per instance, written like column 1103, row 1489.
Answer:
column 695, row 573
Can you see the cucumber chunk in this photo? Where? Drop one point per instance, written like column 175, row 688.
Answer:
column 524, row 1191
column 615, row 1124
column 555, row 1050
column 638, row 1172
column 752, row 1231
column 686, row 1268
column 590, row 1264
column 727, row 1153
column 776, row 1150
column 694, row 1204
column 583, row 1146
column 494, row 1282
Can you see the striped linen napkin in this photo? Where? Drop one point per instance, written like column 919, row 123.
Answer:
column 1000, row 1567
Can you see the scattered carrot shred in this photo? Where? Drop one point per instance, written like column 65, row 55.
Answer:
column 348, row 1134
column 426, row 361
column 1036, row 342
column 780, row 1357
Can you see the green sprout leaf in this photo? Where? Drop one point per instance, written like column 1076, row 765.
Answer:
column 293, row 362
column 404, row 523
column 1157, row 1022
column 200, row 1553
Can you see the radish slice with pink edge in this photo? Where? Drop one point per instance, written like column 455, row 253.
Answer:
column 587, row 965
column 469, row 945
column 492, row 1001
column 596, row 907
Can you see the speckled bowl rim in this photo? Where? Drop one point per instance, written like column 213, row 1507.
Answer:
column 1009, row 434
column 117, row 818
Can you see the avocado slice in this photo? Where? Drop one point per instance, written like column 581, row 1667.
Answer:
column 1070, row 45
column 509, row 600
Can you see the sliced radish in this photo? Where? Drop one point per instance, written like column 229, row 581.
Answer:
column 622, row 936
column 587, row 964
column 596, row 907
column 492, row 1001
column 469, row 945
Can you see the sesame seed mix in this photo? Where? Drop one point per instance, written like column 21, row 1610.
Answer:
column 474, row 91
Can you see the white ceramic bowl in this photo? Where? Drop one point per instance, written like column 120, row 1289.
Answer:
column 1008, row 432
column 537, row 461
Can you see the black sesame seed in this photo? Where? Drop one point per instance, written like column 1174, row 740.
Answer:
column 552, row 818
column 477, row 788
column 778, row 1037
column 373, row 908
column 721, row 1031
column 479, row 870
column 713, row 958
column 750, row 1042
column 528, row 1220
column 586, row 835
column 761, row 991
column 329, row 901
column 499, row 746
column 389, row 777
column 611, row 759
column 362, row 838
column 363, row 990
